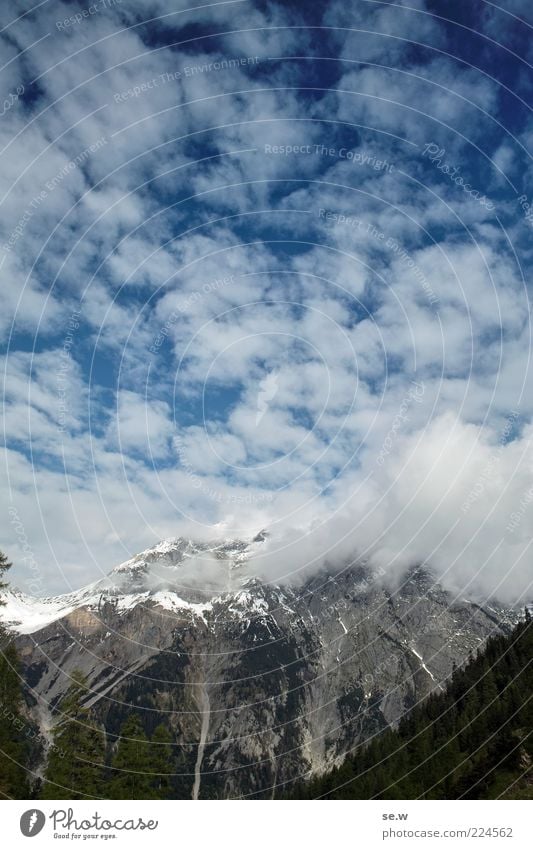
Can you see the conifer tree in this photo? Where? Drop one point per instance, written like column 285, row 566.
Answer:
column 76, row 756
column 13, row 726
column 4, row 566
column 131, row 770
column 472, row 741
column 162, row 762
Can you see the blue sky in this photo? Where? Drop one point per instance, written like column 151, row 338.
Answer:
column 266, row 265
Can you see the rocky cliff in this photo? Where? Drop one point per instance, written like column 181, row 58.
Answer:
column 260, row 684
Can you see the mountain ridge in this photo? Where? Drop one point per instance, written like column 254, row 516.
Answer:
column 131, row 578
column 258, row 683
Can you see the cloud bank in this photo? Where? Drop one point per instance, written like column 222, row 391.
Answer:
column 240, row 294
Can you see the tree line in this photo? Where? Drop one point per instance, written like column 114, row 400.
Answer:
column 78, row 765
column 81, row 762
column 473, row 741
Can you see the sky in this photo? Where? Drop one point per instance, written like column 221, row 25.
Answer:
column 267, row 266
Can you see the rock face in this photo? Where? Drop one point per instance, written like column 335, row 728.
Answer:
column 260, row 684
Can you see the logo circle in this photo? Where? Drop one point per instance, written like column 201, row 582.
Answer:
column 32, row 822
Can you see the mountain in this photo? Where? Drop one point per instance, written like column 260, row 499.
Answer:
column 174, row 574
column 260, row 684
column 474, row 741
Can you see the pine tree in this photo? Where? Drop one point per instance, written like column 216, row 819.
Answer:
column 77, row 754
column 471, row 741
column 13, row 726
column 131, row 771
column 4, row 566
column 162, row 762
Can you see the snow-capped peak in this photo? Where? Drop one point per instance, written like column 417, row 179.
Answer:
column 175, row 573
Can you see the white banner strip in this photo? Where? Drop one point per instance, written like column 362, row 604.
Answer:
column 262, row 825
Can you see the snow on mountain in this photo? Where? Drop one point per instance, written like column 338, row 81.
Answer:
column 244, row 671
column 25, row 614
column 176, row 574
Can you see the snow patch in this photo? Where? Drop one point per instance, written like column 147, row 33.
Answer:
column 423, row 665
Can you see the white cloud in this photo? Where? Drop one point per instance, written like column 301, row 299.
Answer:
column 212, row 283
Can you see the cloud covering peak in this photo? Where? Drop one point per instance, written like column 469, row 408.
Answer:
column 267, row 266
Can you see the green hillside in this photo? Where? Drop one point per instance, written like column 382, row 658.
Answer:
column 473, row 741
